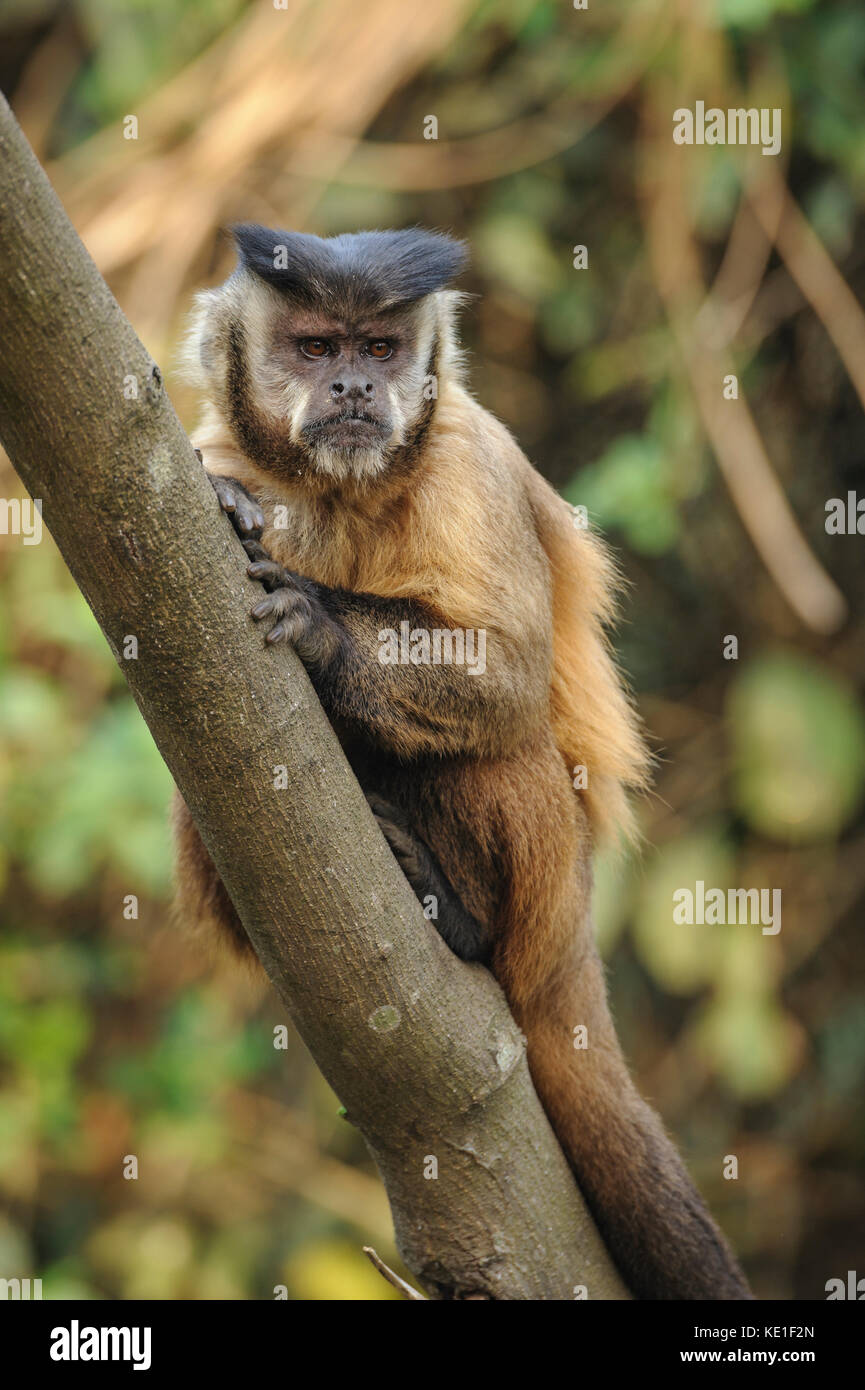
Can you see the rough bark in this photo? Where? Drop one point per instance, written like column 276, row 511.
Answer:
column 420, row 1048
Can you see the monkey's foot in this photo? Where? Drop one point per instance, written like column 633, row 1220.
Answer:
column 454, row 923
column 245, row 512
column 410, row 853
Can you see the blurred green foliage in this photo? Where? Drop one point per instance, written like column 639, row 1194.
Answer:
column 798, row 748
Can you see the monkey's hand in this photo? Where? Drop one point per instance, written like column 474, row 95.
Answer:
column 294, row 606
column 243, row 510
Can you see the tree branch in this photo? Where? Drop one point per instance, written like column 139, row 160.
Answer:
column 420, row 1048
column 405, row 1289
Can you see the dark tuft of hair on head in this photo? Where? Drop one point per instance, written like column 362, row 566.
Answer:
column 355, row 272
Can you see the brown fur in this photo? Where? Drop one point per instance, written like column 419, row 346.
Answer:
column 473, row 537
column 476, row 533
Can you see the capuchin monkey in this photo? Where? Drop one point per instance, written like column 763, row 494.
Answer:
column 379, row 504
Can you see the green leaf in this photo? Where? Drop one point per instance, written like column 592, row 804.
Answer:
column 630, row 488
column 798, row 736
column 751, row 1043
column 516, row 250
column 104, row 804
column 682, row 958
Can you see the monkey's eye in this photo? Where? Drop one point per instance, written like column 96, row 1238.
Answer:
column 314, row 347
column 380, row 350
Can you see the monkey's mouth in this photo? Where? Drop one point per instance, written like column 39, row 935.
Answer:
column 348, row 430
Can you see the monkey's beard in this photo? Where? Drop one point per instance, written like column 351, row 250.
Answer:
column 353, row 444
column 344, row 464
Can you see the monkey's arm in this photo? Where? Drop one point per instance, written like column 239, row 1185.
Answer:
column 409, row 709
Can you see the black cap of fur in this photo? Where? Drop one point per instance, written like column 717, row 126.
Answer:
column 355, row 272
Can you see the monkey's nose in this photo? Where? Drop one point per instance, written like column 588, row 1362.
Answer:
column 352, row 389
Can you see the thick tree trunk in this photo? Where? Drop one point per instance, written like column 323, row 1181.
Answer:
column 420, row 1047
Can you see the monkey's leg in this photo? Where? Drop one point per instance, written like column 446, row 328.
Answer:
column 455, row 924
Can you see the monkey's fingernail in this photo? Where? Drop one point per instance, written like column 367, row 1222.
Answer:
column 261, row 610
column 259, row 567
column 276, row 634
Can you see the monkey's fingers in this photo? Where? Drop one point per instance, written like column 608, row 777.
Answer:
column 276, row 605
column 246, row 514
column 255, row 550
column 301, row 630
column 292, row 611
column 265, row 570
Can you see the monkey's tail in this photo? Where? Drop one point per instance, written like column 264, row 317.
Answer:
column 649, row 1213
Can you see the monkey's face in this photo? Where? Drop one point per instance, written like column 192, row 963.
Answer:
column 349, row 386
column 322, row 354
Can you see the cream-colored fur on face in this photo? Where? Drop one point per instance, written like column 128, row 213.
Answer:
column 344, row 464
column 475, row 532
column 283, row 401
